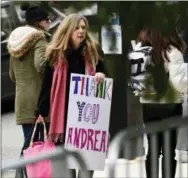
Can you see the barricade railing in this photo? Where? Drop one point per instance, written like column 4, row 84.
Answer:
column 59, row 158
column 120, row 143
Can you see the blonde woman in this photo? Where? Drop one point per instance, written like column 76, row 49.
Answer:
column 71, row 50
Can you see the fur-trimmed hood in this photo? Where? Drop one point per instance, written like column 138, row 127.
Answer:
column 22, row 39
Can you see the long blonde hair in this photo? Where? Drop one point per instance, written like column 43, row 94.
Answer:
column 62, row 38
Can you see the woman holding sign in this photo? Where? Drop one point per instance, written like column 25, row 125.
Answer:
column 71, row 50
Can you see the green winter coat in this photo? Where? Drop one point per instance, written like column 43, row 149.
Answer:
column 27, row 47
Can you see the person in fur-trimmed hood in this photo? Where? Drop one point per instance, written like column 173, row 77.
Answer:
column 27, row 45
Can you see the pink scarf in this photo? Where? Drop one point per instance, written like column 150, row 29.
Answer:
column 57, row 99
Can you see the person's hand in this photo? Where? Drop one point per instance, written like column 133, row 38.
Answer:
column 40, row 119
column 99, row 77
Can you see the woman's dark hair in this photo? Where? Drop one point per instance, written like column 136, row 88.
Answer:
column 173, row 38
column 161, row 41
column 152, row 37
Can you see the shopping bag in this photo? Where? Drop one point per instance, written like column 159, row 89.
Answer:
column 41, row 169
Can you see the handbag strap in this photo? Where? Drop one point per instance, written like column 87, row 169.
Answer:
column 40, row 119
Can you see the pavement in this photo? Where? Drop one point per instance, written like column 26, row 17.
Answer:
column 12, row 141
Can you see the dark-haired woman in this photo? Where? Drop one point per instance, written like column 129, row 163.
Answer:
column 175, row 48
column 159, row 52
column 179, row 74
column 27, row 45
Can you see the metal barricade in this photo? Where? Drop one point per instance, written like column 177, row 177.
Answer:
column 122, row 142
column 59, row 158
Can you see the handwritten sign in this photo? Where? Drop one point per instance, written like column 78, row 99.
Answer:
column 88, row 120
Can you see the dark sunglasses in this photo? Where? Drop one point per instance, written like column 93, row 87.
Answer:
column 48, row 19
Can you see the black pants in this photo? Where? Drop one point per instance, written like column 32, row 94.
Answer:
column 157, row 112
column 27, row 132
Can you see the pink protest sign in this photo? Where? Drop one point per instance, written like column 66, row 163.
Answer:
column 88, row 120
